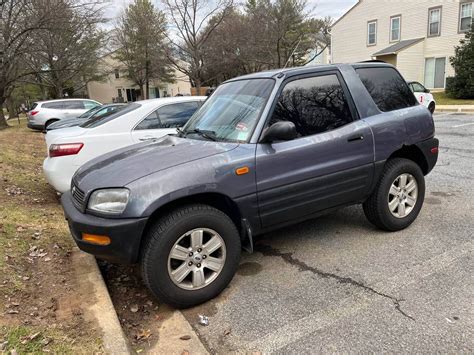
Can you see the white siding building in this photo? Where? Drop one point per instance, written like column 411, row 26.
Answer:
column 417, row 36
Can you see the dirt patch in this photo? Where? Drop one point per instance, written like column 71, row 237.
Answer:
column 39, row 302
column 138, row 311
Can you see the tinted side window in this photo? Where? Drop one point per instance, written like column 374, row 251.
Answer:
column 417, row 87
column 314, row 105
column 150, row 122
column 56, row 105
column 176, row 115
column 89, row 104
column 74, row 105
column 388, row 89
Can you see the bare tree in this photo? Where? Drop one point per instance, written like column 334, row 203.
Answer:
column 142, row 46
column 17, row 23
column 67, row 58
column 192, row 29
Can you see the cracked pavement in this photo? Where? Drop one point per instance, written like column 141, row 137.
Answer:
column 337, row 284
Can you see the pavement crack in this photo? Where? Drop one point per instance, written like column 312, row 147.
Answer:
column 267, row 250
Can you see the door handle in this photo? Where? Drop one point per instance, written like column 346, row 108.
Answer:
column 355, row 138
column 146, row 138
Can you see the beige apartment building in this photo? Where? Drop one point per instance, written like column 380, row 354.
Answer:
column 417, row 36
column 117, row 88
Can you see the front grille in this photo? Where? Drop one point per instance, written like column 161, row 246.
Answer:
column 78, row 197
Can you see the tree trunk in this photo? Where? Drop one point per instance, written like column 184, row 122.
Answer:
column 11, row 109
column 3, row 121
column 141, row 92
column 197, row 82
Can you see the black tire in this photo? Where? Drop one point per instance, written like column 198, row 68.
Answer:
column 163, row 235
column 376, row 207
column 432, row 107
column 48, row 123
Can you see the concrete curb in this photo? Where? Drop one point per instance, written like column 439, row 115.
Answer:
column 455, row 108
column 102, row 310
column 171, row 329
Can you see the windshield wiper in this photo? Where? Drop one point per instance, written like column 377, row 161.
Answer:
column 204, row 133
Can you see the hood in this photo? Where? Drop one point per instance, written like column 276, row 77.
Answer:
column 125, row 165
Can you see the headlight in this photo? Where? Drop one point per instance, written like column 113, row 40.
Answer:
column 111, row 201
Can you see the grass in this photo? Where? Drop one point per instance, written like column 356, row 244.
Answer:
column 442, row 99
column 37, row 289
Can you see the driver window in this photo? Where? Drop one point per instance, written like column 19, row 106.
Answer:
column 315, row 105
column 152, row 121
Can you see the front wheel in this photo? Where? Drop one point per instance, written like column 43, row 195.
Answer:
column 432, row 107
column 190, row 255
column 397, row 200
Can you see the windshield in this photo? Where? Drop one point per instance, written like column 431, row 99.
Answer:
column 90, row 112
column 232, row 111
column 100, row 120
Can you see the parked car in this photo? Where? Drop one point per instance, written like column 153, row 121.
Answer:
column 264, row 151
column 69, row 148
column 44, row 113
column 98, row 111
column 423, row 95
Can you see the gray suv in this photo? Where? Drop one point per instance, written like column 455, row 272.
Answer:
column 264, row 151
column 43, row 113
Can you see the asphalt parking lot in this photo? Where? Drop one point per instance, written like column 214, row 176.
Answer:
column 337, row 284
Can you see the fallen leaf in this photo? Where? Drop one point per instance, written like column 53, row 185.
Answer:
column 185, row 337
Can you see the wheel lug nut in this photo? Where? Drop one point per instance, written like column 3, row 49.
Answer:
column 191, row 254
column 190, row 263
column 204, row 256
column 198, row 265
column 199, row 250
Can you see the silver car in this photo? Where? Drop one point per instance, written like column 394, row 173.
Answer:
column 43, row 113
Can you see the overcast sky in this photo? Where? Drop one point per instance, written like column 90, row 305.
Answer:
column 322, row 8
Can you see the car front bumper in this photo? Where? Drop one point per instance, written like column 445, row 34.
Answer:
column 125, row 234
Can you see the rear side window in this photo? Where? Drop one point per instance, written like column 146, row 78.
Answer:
column 33, row 105
column 74, row 105
column 169, row 116
column 100, row 120
column 387, row 88
column 315, row 105
column 58, row 105
column 90, row 104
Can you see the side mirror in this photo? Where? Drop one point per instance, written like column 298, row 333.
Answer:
column 427, row 91
column 279, row 131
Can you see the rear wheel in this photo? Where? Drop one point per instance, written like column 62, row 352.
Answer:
column 398, row 197
column 49, row 122
column 190, row 255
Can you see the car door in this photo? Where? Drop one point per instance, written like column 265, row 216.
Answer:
column 331, row 161
column 164, row 120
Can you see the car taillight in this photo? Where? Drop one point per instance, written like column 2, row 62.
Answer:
column 32, row 113
column 59, row 150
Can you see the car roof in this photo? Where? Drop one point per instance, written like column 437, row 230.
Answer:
column 57, row 100
column 170, row 100
column 287, row 72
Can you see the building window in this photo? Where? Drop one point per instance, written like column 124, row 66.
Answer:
column 117, row 74
column 434, row 21
column 372, row 33
column 465, row 16
column 395, row 28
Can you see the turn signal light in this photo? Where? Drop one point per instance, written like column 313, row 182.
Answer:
column 96, row 239
column 243, row 170
column 59, row 150
column 434, row 150
column 32, row 113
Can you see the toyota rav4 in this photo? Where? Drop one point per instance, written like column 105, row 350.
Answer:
column 264, row 151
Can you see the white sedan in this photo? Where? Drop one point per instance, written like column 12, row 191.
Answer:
column 69, row 148
column 423, row 95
